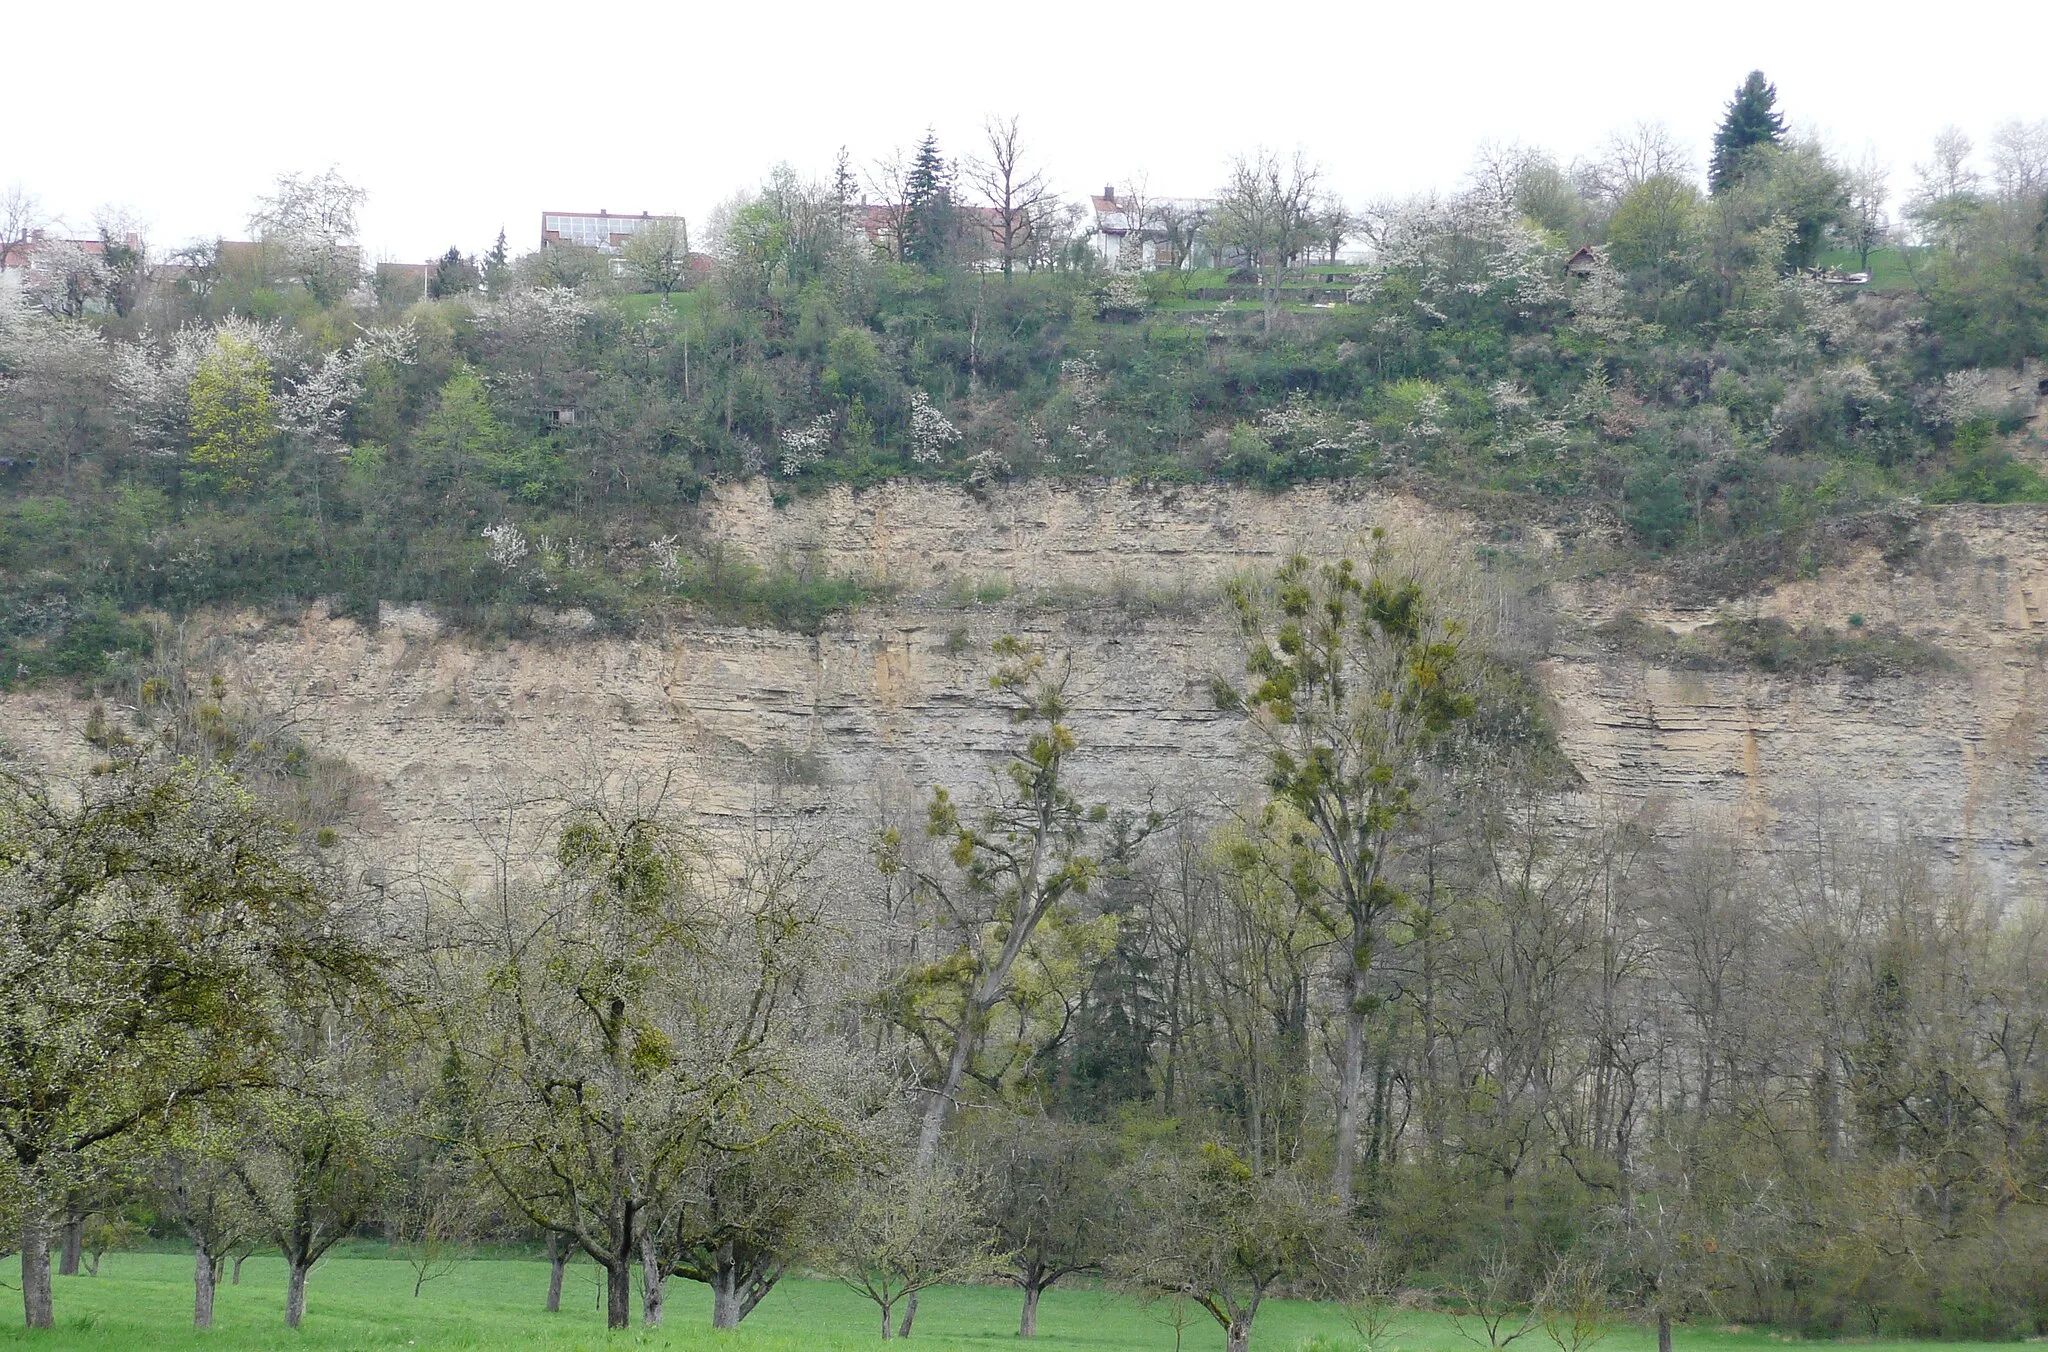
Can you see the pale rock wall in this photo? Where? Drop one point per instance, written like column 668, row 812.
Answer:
column 894, row 698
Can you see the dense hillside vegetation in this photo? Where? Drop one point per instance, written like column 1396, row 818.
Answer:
column 259, row 424
column 1396, row 1015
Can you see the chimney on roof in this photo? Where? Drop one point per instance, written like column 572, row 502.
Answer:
column 1109, row 192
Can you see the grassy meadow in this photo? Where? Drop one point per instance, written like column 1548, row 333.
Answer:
column 144, row 1300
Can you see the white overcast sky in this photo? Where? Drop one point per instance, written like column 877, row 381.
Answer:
column 461, row 117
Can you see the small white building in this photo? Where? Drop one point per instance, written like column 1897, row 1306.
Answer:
column 1137, row 233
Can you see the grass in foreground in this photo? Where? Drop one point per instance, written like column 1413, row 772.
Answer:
column 144, row 1300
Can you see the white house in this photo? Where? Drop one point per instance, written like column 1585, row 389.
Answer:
column 1136, row 233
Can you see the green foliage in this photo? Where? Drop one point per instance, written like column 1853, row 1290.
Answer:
column 82, row 644
column 1988, row 298
column 231, row 416
column 1984, row 472
column 1752, row 120
column 1655, row 234
column 1695, row 390
column 1771, row 644
column 929, row 215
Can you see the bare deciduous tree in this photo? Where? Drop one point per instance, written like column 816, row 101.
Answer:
column 2019, row 160
column 1015, row 195
column 1266, row 212
column 1633, row 156
column 900, row 1232
column 1207, row 1229
column 611, row 1028
column 1866, row 226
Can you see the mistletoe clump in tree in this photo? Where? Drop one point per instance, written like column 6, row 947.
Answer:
column 1356, row 675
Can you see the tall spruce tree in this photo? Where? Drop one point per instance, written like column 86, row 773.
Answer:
column 1752, row 120
column 928, row 205
column 498, row 267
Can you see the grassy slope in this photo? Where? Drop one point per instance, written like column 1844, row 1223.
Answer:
column 1888, row 267
column 145, row 1301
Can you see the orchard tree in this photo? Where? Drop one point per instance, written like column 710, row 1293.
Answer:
column 1203, row 1227
column 313, row 1155
column 746, row 1216
column 1045, row 1187
column 153, row 917
column 192, row 1185
column 315, row 1145
column 898, row 1232
column 608, row 1031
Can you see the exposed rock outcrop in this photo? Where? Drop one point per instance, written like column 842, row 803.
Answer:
column 894, row 697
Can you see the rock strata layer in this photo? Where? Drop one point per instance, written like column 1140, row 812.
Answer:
column 894, row 697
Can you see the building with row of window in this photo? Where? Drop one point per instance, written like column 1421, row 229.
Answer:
column 595, row 229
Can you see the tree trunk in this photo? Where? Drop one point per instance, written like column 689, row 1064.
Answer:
column 1349, row 1085
column 295, row 1291
column 618, row 1292
column 235, row 1277
column 1027, row 1326
column 1237, row 1335
column 725, row 1300
column 935, row 1125
column 652, row 1283
column 941, row 1103
column 887, row 1331
column 203, row 1278
column 1663, row 1332
column 558, row 1258
column 36, row 1307
column 73, row 1244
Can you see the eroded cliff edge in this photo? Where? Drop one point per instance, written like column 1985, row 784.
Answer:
column 893, row 697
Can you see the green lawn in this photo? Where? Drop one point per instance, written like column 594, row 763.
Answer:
column 1888, row 270
column 636, row 306
column 144, row 1300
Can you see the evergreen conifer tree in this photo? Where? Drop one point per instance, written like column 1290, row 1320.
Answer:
column 498, row 267
column 1752, row 120
column 928, row 205
column 452, row 274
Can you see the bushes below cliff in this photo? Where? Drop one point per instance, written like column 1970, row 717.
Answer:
column 1770, row 644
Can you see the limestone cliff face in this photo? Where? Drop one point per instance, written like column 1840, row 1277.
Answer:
column 894, row 697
